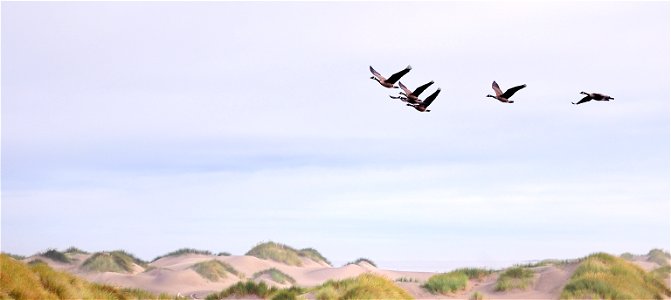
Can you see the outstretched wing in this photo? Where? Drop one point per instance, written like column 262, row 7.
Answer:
column 421, row 89
column 376, row 74
column 496, row 88
column 583, row 100
column 430, row 99
column 398, row 75
column 404, row 88
column 509, row 93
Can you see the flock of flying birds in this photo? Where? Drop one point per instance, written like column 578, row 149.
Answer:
column 412, row 97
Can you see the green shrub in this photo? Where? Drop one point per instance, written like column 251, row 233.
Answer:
column 514, row 278
column 75, row 250
column 659, row 257
column 446, row 282
column 223, row 254
column 604, row 276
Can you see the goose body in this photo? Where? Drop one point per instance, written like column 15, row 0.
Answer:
column 423, row 105
column 593, row 96
column 411, row 97
column 389, row 83
column 505, row 97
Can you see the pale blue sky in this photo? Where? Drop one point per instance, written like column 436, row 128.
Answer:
column 216, row 125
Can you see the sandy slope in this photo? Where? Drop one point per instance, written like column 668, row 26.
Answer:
column 174, row 275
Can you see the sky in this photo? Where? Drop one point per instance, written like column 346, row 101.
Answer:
column 153, row 126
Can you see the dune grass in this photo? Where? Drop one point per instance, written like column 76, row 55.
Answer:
column 605, row 276
column 223, row 254
column 360, row 260
column 446, row 282
column 277, row 252
column 118, row 261
column 661, row 273
column 39, row 281
column 183, row 251
column 365, row 286
column 477, row 296
column 514, row 278
column 56, row 255
column 214, row 269
column 628, row 256
column 276, row 275
column 14, row 256
column 313, row 255
column 75, row 250
column 475, row 273
column 261, row 289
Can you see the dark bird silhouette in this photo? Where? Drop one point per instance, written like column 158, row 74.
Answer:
column 503, row 97
column 411, row 97
column 422, row 106
column 389, row 83
column 593, row 96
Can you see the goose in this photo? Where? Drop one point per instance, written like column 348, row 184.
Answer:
column 389, row 83
column 503, row 97
column 411, row 97
column 593, row 96
column 423, row 105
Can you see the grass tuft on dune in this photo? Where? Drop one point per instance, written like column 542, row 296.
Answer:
column 360, row 260
column 365, row 286
column 276, row 275
column 56, row 255
column 183, row 251
column 605, row 276
column 39, row 281
column 214, row 269
column 514, row 278
column 75, row 250
column 261, row 289
column 118, row 261
column 446, row 282
column 285, row 254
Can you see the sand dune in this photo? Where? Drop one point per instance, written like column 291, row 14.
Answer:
column 174, row 274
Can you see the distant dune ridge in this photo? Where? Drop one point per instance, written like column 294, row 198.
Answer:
column 274, row 270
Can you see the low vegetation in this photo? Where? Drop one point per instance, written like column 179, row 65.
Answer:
column 514, row 278
column 116, row 261
column 365, row 286
column 475, row 273
column 313, row 255
column 39, row 281
column 75, row 250
column 214, row 270
column 627, row 256
column 285, row 254
column 662, row 273
column 14, row 256
column 223, row 254
column 56, row 255
column 604, row 276
column 659, row 257
column 446, row 282
column 261, row 289
column 276, row 275
column 406, row 279
column 477, row 296
column 360, row 260
column 183, row 251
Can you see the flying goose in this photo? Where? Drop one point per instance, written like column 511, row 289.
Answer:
column 593, row 96
column 389, row 83
column 503, row 97
column 423, row 105
column 411, row 97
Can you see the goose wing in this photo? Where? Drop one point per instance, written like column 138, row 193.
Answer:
column 430, row 99
column 421, row 89
column 496, row 88
column 583, row 100
column 404, row 88
column 509, row 93
column 376, row 74
column 398, row 75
